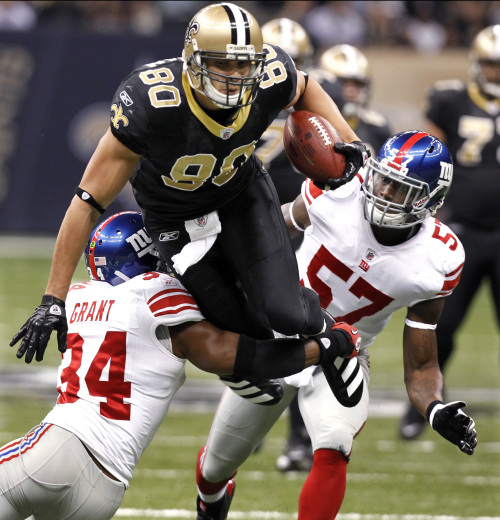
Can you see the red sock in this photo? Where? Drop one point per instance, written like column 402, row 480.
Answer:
column 206, row 487
column 324, row 488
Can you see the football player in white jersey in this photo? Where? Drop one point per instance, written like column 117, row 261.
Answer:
column 131, row 330
column 370, row 248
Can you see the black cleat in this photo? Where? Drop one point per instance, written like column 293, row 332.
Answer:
column 297, row 456
column 216, row 510
column 412, row 424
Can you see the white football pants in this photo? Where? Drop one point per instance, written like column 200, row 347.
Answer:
column 50, row 475
column 239, row 425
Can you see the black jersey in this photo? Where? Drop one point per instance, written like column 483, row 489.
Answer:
column 471, row 125
column 190, row 164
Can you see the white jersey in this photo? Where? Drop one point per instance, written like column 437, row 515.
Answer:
column 361, row 281
column 117, row 379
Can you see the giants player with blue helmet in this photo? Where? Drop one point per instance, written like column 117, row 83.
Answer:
column 370, row 247
column 183, row 132
column 131, row 330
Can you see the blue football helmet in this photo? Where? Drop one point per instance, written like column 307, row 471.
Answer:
column 120, row 248
column 408, row 180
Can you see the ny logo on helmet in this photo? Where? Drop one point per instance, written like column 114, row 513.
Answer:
column 141, row 242
column 446, row 174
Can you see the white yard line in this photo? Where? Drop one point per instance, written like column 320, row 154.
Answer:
column 271, row 515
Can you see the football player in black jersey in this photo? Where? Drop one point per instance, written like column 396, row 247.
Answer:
column 350, row 66
column 466, row 118
column 183, row 132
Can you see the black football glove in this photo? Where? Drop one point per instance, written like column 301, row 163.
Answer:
column 452, row 424
column 338, row 339
column 339, row 344
column 356, row 154
column 265, row 392
column 48, row 316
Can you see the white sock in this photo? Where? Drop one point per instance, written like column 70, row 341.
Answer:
column 210, row 499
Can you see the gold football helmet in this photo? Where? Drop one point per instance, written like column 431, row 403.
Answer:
column 291, row 37
column 485, row 61
column 225, row 33
column 348, row 64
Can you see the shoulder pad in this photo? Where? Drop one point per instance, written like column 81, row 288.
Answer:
column 374, row 118
column 449, row 84
column 450, row 251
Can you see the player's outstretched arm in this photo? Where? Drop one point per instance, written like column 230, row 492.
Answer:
column 245, row 363
column 424, row 381
column 229, row 354
column 106, row 174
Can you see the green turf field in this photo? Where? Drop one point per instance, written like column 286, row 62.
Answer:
column 388, row 479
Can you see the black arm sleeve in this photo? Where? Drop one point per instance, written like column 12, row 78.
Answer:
column 268, row 359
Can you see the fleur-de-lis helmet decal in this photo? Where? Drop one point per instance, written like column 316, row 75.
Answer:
column 192, row 29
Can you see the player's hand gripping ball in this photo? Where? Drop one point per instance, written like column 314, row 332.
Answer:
column 309, row 141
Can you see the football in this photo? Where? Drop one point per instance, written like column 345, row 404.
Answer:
column 309, row 140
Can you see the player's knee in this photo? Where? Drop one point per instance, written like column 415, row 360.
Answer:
column 285, row 318
column 216, row 469
column 335, row 437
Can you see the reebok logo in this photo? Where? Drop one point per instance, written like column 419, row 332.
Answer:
column 169, row 235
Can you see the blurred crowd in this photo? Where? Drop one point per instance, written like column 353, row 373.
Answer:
column 426, row 26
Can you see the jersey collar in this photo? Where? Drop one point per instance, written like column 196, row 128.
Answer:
column 211, row 125
column 492, row 106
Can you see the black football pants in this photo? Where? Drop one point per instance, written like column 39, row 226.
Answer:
column 482, row 262
column 248, row 282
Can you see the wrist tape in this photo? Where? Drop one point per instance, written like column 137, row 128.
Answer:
column 431, row 410
column 293, row 221
column 48, row 299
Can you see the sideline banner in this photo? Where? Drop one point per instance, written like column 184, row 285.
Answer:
column 55, row 94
